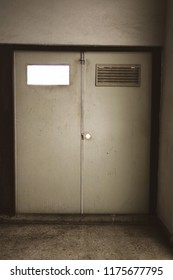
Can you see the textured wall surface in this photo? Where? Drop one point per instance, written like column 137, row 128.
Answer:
column 165, row 198
column 81, row 22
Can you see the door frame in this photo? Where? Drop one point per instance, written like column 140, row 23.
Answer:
column 7, row 145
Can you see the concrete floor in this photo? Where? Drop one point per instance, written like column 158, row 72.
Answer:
column 101, row 241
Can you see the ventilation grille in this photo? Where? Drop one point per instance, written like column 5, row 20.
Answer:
column 118, row 75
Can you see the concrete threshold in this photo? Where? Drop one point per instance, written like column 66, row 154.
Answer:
column 70, row 219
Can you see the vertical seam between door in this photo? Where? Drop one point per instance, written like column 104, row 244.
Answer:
column 82, row 131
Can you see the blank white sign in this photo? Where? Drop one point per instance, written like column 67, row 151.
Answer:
column 48, row 75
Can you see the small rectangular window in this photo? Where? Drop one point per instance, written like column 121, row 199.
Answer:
column 48, row 75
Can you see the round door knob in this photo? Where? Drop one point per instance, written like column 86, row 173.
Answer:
column 87, row 136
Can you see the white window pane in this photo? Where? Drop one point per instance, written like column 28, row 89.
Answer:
column 48, row 75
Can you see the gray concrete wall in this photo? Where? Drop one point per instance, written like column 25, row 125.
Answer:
column 82, row 22
column 165, row 196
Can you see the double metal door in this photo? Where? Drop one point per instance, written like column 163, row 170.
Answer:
column 83, row 144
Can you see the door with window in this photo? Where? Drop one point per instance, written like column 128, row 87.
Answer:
column 82, row 124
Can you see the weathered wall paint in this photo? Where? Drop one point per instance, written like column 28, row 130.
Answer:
column 165, row 195
column 81, row 22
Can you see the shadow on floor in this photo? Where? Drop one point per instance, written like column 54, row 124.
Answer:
column 64, row 242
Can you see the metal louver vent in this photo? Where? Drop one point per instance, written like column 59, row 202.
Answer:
column 118, row 75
